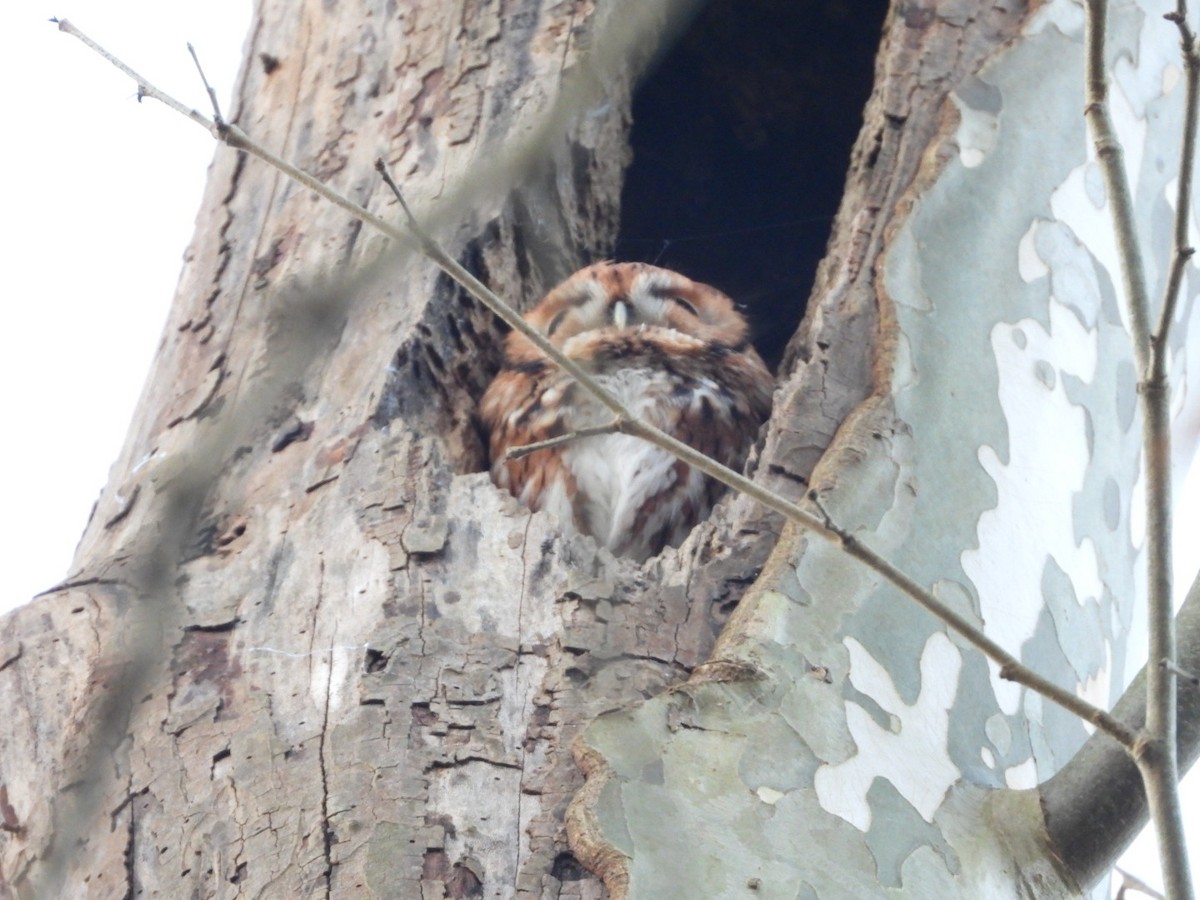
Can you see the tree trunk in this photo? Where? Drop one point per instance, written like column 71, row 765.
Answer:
column 308, row 648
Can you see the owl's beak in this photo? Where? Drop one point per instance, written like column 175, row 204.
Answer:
column 620, row 313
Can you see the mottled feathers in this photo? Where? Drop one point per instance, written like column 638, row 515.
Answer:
column 676, row 353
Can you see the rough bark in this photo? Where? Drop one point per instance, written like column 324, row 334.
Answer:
column 313, row 649
column 308, row 648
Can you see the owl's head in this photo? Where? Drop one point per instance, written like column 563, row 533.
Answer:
column 617, row 297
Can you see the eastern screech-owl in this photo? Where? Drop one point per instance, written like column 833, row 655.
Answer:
column 677, row 354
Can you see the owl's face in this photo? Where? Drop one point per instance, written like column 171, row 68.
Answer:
column 614, row 297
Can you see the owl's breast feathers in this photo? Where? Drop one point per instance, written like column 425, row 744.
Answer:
column 632, row 496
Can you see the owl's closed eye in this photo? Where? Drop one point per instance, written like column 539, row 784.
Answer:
column 676, row 353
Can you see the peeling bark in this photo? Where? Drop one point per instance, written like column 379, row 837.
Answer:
column 861, row 749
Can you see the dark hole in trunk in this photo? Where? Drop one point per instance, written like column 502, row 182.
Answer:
column 741, row 139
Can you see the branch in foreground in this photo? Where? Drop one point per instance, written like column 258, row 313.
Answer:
column 1156, row 753
column 234, row 137
column 1133, row 883
column 1111, row 158
column 612, row 427
column 1010, row 668
column 212, row 94
column 1180, row 672
column 1183, row 193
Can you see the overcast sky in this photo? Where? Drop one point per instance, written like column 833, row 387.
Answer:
column 101, row 202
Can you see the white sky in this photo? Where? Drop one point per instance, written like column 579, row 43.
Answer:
column 102, row 197
column 101, row 200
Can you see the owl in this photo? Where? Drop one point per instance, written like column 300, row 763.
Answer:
column 677, row 355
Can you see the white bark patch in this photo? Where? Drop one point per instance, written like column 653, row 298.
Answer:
column 976, row 135
column 1048, row 454
column 913, row 755
column 1098, row 688
column 769, row 795
column 1030, row 265
column 1149, row 73
column 1022, row 777
column 1065, row 15
column 486, row 835
column 1170, row 78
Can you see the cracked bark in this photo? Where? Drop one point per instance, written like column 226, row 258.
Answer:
column 322, row 681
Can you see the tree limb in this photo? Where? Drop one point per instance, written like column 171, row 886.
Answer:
column 1155, row 753
column 1095, row 805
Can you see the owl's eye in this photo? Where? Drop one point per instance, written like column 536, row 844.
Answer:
column 686, row 305
column 556, row 321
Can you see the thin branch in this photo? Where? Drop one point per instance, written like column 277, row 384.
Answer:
column 212, row 95
column 1133, row 883
column 236, row 138
column 1112, row 166
column 145, row 88
column 1181, row 257
column 814, row 497
column 1156, row 752
column 1183, row 252
column 1010, row 668
column 614, row 427
column 1158, row 761
column 1096, row 803
column 507, row 314
column 1179, row 672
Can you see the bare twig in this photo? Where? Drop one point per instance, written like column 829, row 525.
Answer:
column 230, row 134
column 212, row 95
column 1112, row 166
column 1133, row 883
column 1183, row 252
column 1156, row 752
column 145, row 88
column 614, row 427
column 1179, row 672
column 507, row 314
column 1010, row 668
column 814, row 497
